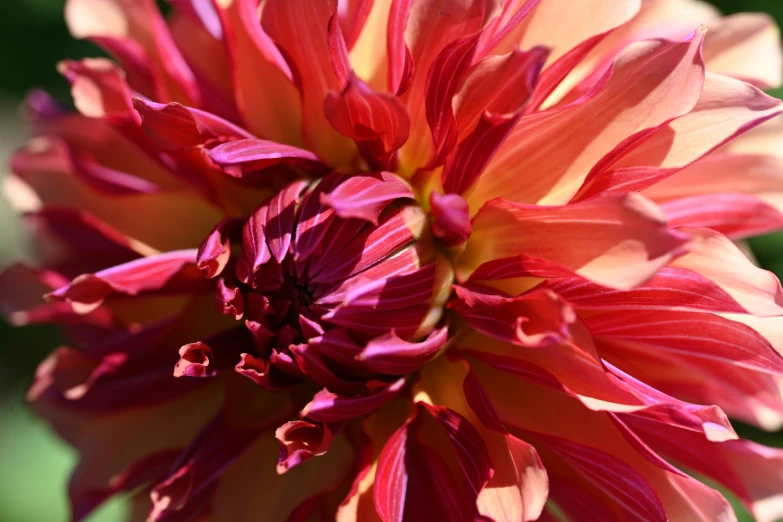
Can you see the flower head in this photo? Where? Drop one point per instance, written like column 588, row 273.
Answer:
column 403, row 260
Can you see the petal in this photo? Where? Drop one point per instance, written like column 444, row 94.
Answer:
column 670, row 289
column 252, row 486
column 98, row 88
column 137, row 34
column 62, row 236
column 746, row 46
column 329, row 407
column 451, row 218
column 173, row 126
column 726, row 109
column 378, row 123
column 263, row 82
column 616, row 241
column 544, row 142
column 418, row 32
column 391, row 355
column 737, row 216
column 718, row 259
column 301, row 441
column 605, row 447
column 688, row 334
column 547, row 27
column 280, row 219
column 365, row 197
column 300, row 29
column 147, row 274
column 748, row 469
column 533, row 320
column 244, row 156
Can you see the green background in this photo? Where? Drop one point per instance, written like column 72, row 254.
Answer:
column 34, row 465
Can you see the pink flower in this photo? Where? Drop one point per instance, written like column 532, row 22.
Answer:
column 409, row 260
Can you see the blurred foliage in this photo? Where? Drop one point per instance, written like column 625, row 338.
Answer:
column 36, row 464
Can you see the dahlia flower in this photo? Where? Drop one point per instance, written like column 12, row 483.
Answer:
column 409, row 260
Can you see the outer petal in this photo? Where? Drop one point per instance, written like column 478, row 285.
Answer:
column 615, row 241
column 300, row 28
column 147, row 274
column 538, row 411
column 750, row 470
column 690, row 335
column 418, row 31
column 563, row 145
column 263, row 83
column 746, row 46
column 137, row 34
column 548, row 27
column 715, row 257
column 726, row 109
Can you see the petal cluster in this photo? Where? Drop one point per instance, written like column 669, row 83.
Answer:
column 409, row 260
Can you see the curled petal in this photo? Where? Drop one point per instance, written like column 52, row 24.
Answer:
column 173, row 126
column 391, row 355
column 451, row 218
column 243, row 156
column 330, row 407
column 300, row 441
column 366, row 196
column 379, row 123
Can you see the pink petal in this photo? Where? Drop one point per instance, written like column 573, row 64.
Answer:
column 174, row 127
column 365, row 197
column 746, row 46
column 330, row 407
column 137, row 34
column 262, row 81
column 726, row 109
column 670, row 289
column 737, row 216
column 300, row 441
column 143, row 275
column 243, row 156
column 393, row 356
column 451, row 218
column 690, row 334
column 535, row 319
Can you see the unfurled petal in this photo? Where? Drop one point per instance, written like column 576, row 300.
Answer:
column 715, row 257
column 263, row 82
column 673, row 79
column 615, row 241
column 688, row 334
column 746, row 46
column 136, row 33
column 726, row 108
column 300, row 29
